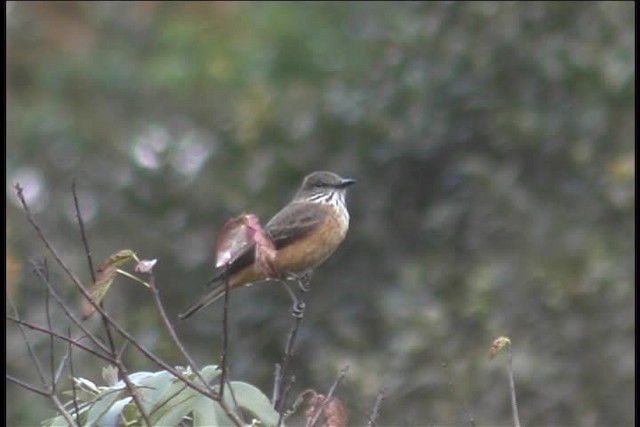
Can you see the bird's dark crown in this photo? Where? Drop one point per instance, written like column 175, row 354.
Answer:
column 322, row 180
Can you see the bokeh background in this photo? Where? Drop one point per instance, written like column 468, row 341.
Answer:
column 493, row 145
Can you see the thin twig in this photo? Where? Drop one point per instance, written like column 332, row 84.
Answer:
column 83, row 234
column 235, row 403
column 225, row 331
column 174, row 336
column 194, row 367
column 67, row 312
column 62, row 364
column 285, row 396
column 27, row 386
column 43, row 393
column 169, row 327
column 326, row 400
column 52, row 358
column 296, row 404
column 48, row 245
column 62, row 410
column 512, row 388
column 32, row 353
column 298, row 314
column 107, row 331
column 152, row 357
column 276, row 383
column 64, row 359
column 132, row 277
column 168, row 400
column 61, row 337
column 131, row 387
column 80, row 286
column 54, row 253
column 371, row 419
column 74, row 392
column 160, row 362
column 87, row 251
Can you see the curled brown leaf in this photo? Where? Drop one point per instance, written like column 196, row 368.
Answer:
column 104, row 278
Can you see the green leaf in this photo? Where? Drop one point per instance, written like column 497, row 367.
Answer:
column 253, row 400
column 111, row 418
column 207, row 412
column 167, row 399
column 101, row 406
column 152, row 386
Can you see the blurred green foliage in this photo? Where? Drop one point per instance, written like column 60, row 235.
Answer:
column 493, row 144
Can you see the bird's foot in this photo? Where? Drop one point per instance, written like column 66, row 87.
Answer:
column 303, row 279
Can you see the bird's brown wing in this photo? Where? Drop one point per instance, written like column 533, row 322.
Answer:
column 295, row 221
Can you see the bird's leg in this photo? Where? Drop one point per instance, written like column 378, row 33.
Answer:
column 303, row 279
column 298, row 307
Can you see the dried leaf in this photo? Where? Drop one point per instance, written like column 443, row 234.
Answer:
column 313, row 406
column 104, row 278
column 335, row 413
column 240, row 233
column 118, row 259
column 265, row 250
column 498, row 345
column 234, row 238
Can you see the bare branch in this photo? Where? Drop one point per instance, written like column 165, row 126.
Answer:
column 277, row 372
column 297, row 314
column 512, row 388
column 225, row 331
column 296, row 404
column 100, row 309
column 61, row 263
column 74, row 392
column 83, row 234
column 53, row 252
column 32, row 353
column 61, row 337
column 194, row 367
column 62, row 364
column 27, row 386
column 371, row 419
column 87, row 250
column 332, row 389
column 169, row 327
column 52, row 358
column 285, row 395
column 206, row 391
column 62, row 410
column 131, row 387
column 44, row 393
column 67, row 312
column 235, row 403
column 48, row 245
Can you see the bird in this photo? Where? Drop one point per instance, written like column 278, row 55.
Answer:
column 305, row 232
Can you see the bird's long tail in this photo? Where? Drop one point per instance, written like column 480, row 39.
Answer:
column 213, row 294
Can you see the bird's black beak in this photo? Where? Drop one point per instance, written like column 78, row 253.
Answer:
column 346, row 182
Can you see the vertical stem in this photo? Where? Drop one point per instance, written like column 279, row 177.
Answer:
column 225, row 330
column 87, row 251
column 512, row 389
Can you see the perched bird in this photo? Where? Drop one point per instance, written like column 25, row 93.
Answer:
column 304, row 233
